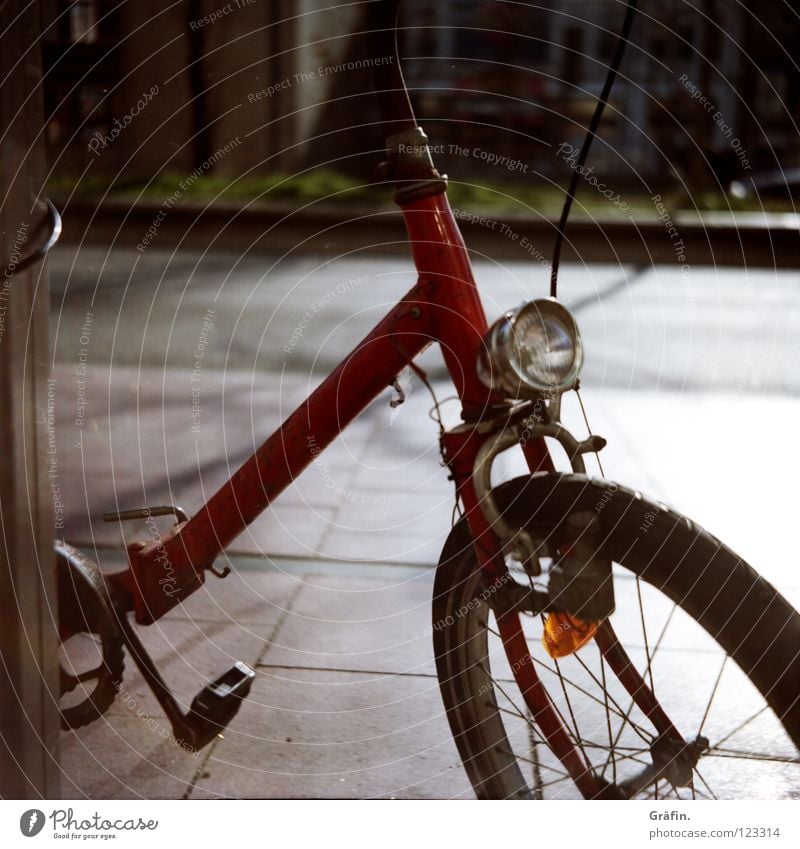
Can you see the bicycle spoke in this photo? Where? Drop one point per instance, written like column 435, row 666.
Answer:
column 529, row 761
column 713, row 693
column 578, row 736
column 643, row 733
column 739, row 728
column 705, row 783
column 564, row 775
column 518, row 713
column 698, row 794
column 644, row 753
column 649, row 670
column 695, row 794
column 608, row 723
column 644, row 634
column 536, row 767
column 612, row 741
column 749, row 756
column 648, row 738
column 656, row 793
column 554, row 781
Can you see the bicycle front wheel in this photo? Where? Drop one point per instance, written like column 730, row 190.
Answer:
column 715, row 642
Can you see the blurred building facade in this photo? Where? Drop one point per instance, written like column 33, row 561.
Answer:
column 137, row 88
column 134, row 87
column 703, row 78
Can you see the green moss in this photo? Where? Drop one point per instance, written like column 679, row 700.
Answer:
column 309, row 186
column 332, row 187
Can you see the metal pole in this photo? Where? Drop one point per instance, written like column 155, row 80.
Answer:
column 29, row 723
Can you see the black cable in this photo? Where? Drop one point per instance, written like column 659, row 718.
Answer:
column 587, row 142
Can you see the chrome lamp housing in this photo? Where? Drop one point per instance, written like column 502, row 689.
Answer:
column 532, row 351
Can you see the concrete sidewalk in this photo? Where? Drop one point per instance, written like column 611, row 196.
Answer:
column 345, row 704
column 330, row 602
column 330, row 595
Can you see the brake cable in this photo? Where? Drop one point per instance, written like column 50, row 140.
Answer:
column 622, row 42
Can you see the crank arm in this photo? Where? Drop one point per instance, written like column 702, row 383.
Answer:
column 211, row 710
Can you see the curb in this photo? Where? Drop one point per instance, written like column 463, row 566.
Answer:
column 769, row 240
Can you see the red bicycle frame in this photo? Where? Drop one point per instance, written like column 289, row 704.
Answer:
column 444, row 307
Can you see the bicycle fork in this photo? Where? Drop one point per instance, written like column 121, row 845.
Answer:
column 468, row 453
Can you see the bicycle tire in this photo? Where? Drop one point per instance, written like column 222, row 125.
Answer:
column 83, row 610
column 739, row 609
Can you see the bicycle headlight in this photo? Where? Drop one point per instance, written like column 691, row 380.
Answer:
column 532, row 351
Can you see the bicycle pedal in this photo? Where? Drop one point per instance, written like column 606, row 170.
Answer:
column 217, row 703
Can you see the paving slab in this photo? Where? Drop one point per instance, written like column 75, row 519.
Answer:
column 337, row 735
column 695, row 385
column 125, row 757
column 377, row 624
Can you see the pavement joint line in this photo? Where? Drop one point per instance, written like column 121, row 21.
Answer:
column 350, row 475
column 202, row 767
column 342, row 670
column 388, row 674
column 248, row 562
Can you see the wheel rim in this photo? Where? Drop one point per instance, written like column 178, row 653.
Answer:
column 613, row 735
